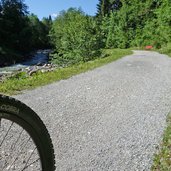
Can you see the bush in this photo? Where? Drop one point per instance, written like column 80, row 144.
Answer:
column 166, row 49
column 75, row 37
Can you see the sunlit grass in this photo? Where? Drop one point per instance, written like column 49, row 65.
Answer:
column 162, row 160
column 16, row 84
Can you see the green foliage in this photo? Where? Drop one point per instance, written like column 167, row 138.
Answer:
column 13, row 24
column 162, row 160
column 105, row 7
column 20, row 33
column 75, row 37
column 39, row 32
column 21, row 82
column 166, row 49
column 135, row 23
column 7, row 55
column 20, row 75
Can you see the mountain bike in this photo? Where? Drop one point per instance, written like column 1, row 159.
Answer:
column 25, row 144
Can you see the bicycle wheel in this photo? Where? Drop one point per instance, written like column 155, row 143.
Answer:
column 25, row 143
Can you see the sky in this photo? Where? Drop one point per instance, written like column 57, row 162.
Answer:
column 44, row 8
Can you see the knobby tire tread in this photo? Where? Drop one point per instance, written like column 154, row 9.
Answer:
column 31, row 116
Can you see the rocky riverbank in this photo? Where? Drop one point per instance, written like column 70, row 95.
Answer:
column 38, row 63
column 29, row 71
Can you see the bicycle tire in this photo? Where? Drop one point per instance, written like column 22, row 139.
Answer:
column 17, row 112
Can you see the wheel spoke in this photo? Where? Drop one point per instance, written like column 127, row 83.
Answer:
column 23, row 147
column 20, row 152
column 18, row 156
column 31, row 164
column 13, row 148
column 28, row 159
column 6, row 133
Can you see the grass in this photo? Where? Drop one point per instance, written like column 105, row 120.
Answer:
column 162, row 160
column 16, row 84
column 166, row 50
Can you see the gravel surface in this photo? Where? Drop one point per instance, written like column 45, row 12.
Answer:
column 17, row 150
column 111, row 118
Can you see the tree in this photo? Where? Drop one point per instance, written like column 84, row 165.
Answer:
column 161, row 32
column 1, row 25
column 47, row 24
column 20, row 32
column 13, row 30
column 75, row 38
column 104, row 7
column 14, row 23
column 134, row 23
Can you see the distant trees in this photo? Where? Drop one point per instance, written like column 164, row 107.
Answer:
column 105, row 7
column 39, row 31
column 134, row 23
column 77, row 37
column 47, row 23
column 13, row 30
column 157, row 30
column 13, row 23
column 118, row 24
column 20, row 32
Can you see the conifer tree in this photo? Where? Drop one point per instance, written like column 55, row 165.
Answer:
column 104, row 7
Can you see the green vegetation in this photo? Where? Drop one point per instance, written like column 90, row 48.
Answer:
column 76, row 37
column 162, row 160
column 166, row 50
column 77, row 41
column 22, row 81
column 135, row 23
column 20, row 32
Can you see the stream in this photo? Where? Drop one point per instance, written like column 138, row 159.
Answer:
column 40, row 57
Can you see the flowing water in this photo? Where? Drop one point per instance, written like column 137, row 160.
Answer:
column 40, row 57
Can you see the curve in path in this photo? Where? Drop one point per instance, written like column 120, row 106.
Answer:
column 111, row 118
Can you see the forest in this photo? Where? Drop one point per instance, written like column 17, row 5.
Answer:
column 20, row 32
column 77, row 37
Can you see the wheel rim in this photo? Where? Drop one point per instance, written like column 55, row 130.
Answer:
column 17, row 149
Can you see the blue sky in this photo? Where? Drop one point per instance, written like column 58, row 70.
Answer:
column 44, row 8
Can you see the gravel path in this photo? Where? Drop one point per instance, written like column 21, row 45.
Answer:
column 111, row 118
